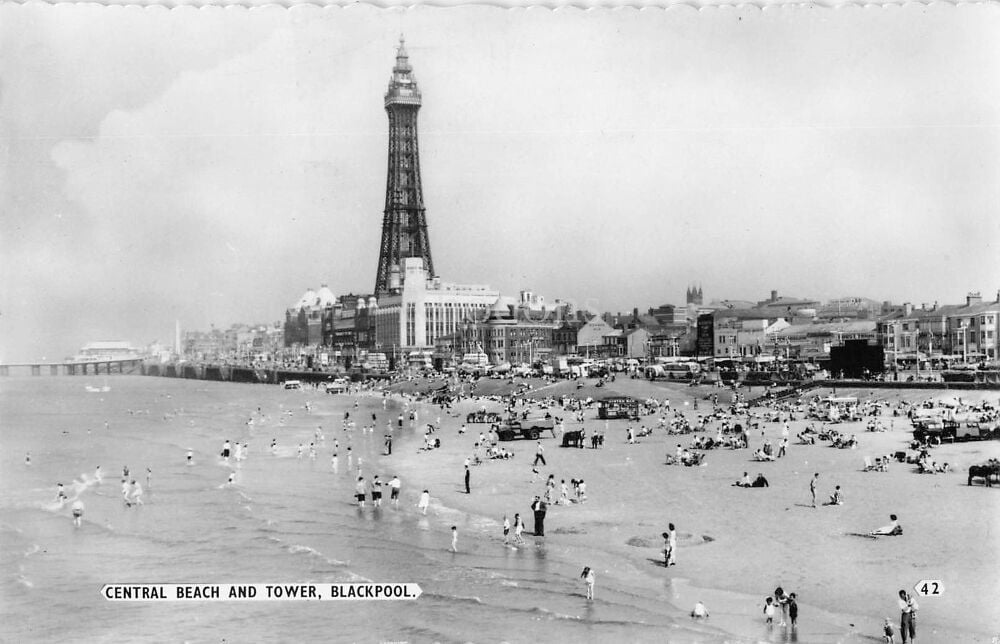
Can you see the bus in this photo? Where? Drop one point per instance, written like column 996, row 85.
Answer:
column 673, row 368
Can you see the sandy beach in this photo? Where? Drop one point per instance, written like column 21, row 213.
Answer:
column 736, row 544
column 290, row 519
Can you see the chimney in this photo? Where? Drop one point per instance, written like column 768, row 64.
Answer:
column 973, row 298
column 907, row 308
column 774, row 295
column 998, row 296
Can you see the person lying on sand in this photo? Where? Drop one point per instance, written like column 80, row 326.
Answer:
column 892, row 529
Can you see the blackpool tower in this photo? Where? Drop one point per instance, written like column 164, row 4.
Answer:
column 404, row 224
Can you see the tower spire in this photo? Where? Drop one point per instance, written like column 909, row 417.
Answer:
column 404, row 223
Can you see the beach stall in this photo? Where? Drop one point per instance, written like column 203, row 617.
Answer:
column 614, row 407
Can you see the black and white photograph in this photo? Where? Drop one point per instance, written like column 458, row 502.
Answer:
column 500, row 322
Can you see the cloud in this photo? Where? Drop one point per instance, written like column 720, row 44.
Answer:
column 611, row 156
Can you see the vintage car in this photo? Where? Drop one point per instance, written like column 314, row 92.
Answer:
column 530, row 429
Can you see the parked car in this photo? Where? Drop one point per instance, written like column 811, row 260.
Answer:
column 530, row 428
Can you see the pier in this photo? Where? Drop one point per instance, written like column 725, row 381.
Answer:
column 74, row 368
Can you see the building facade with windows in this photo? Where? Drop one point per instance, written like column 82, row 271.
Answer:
column 972, row 329
column 420, row 309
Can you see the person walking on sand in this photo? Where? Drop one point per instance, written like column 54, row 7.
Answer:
column 671, row 559
column 506, row 530
column 907, row 618
column 468, row 474
column 539, row 455
column 425, row 501
column 793, row 610
column 588, row 578
column 454, row 538
column 812, row 487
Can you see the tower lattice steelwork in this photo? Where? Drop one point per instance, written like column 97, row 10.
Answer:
column 404, row 224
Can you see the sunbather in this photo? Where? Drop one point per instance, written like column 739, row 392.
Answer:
column 893, row 529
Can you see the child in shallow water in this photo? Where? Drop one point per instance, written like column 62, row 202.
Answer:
column 588, row 578
column 769, row 610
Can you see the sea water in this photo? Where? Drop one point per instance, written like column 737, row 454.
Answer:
column 284, row 520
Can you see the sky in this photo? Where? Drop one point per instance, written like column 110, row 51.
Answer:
column 209, row 166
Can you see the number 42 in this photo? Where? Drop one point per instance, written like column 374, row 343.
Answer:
column 929, row 587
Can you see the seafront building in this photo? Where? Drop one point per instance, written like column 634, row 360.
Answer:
column 418, row 309
column 106, row 351
column 950, row 332
column 412, row 312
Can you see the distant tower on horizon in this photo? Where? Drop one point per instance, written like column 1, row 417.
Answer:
column 177, row 337
column 404, row 224
column 694, row 296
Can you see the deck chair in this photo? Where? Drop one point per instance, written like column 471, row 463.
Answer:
column 868, row 464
